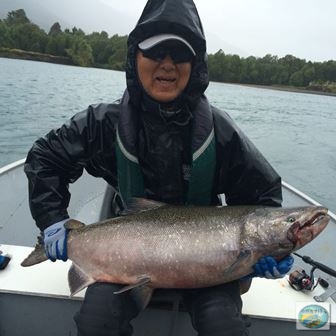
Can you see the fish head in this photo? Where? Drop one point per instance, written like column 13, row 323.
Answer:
column 285, row 230
column 306, row 224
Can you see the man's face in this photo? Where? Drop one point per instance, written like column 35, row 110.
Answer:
column 162, row 79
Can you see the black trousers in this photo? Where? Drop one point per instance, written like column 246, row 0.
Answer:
column 214, row 311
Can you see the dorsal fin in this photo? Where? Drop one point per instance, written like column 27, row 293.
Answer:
column 135, row 205
column 73, row 224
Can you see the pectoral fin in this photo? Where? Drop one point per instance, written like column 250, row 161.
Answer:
column 142, row 296
column 140, row 291
column 143, row 280
column 78, row 279
column 241, row 259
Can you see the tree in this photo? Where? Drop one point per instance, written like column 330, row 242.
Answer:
column 55, row 29
column 80, row 52
column 308, row 72
column 101, row 47
column 217, row 67
column 78, row 32
column 297, row 79
column 267, row 69
column 29, row 37
column 292, row 63
column 233, row 68
column 330, row 70
column 249, row 71
column 16, row 17
column 117, row 60
column 57, row 45
column 283, row 76
column 5, row 39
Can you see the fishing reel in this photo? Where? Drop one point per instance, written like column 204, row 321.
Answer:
column 300, row 280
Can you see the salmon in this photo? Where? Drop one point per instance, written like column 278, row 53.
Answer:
column 168, row 246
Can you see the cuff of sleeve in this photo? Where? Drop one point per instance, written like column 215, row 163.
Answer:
column 51, row 218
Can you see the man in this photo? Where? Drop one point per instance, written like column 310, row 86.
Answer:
column 163, row 141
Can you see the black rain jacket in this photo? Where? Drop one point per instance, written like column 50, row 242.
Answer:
column 88, row 140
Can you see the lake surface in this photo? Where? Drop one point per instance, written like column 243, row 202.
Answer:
column 296, row 132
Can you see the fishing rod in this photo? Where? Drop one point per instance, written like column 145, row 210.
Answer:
column 300, row 280
column 317, row 264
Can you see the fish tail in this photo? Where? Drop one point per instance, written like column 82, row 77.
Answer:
column 35, row 257
column 38, row 255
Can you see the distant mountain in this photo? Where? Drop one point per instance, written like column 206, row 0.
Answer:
column 85, row 14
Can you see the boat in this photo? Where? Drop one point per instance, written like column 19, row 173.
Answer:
column 36, row 301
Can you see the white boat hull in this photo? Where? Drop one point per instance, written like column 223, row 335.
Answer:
column 35, row 300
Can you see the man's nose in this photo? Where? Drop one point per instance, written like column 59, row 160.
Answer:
column 167, row 63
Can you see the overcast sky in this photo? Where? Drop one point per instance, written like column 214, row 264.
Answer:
column 303, row 28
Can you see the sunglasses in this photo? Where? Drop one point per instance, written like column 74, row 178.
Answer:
column 179, row 53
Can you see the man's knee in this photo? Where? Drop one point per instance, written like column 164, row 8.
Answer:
column 217, row 312
column 104, row 313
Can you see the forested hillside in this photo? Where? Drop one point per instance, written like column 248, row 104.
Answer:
column 19, row 37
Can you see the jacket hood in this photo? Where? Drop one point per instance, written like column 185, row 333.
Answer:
column 178, row 17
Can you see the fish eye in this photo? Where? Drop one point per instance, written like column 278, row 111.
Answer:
column 291, row 219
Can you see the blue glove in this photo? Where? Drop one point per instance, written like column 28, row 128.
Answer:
column 55, row 241
column 4, row 260
column 268, row 267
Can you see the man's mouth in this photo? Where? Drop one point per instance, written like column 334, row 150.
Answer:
column 164, row 80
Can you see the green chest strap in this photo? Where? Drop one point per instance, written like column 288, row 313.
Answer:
column 131, row 182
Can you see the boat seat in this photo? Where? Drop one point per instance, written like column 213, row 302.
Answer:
column 111, row 203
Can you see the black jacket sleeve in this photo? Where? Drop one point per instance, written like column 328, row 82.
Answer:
column 243, row 174
column 59, row 158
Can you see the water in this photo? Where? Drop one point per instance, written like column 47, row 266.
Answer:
column 295, row 132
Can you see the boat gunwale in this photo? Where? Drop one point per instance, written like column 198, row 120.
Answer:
column 12, row 166
column 306, row 197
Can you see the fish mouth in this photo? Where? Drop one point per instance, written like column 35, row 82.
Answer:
column 301, row 233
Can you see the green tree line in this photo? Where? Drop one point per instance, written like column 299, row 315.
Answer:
column 100, row 50
column 96, row 49
column 271, row 70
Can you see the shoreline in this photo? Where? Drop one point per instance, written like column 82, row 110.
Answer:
column 285, row 88
column 34, row 56
column 290, row 89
